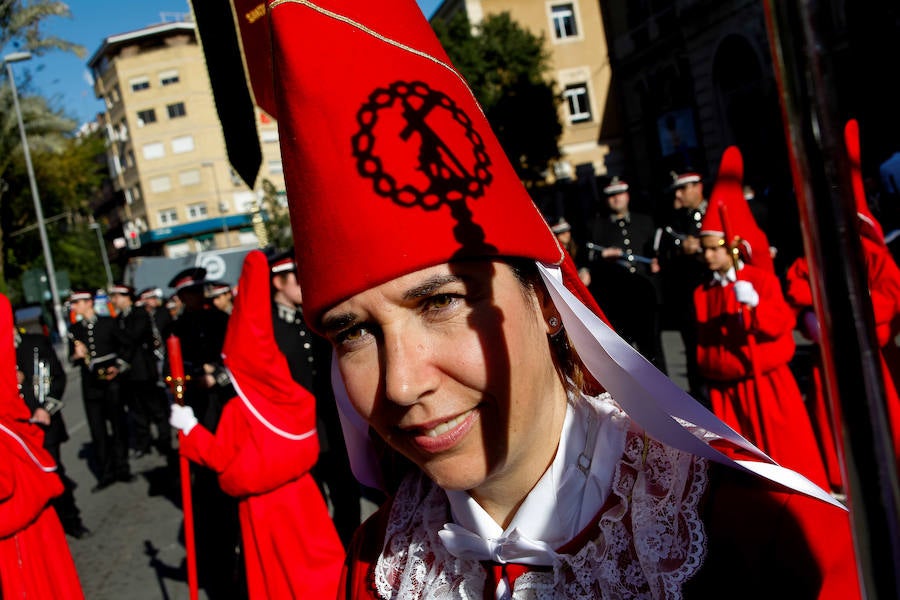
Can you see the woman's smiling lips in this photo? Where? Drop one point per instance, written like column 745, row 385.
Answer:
column 443, row 435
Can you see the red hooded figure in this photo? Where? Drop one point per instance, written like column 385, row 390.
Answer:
column 883, row 278
column 263, row 449
column 35, row 561
column 745, row 343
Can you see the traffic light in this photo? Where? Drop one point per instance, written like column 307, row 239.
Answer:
column 132, row 236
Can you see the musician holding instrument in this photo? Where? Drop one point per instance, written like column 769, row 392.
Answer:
column 42, row 381
column 624, row 270
column 95, row 344
column 681, row 268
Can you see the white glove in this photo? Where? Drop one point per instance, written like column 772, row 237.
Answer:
column 811, row 326
column 182, row 417
column 746, row 293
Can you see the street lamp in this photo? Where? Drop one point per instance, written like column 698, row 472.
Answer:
column 212, row 168
column 48, row 257
column 96, row 226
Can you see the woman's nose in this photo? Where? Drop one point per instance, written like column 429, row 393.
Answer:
column 408, row 373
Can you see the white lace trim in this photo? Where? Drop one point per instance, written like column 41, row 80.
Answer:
column 651, row 539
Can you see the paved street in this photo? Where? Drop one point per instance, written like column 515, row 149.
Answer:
column 136, row 551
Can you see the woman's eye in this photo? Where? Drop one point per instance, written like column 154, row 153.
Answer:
column 441, row 301
column 351, row 336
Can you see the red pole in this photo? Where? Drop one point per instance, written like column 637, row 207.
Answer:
column 177, row 380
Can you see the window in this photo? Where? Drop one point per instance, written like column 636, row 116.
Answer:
column 160, row 184
column 183, row 144
column 191, row 177
column 129, row 158
column 275, row 167
column 168, row 216
column 139, row 83
column 268, row 136
column 168, row 77
column 578, row 103
column 154, row 150
column 563, row 17
column 196, row 211
column 176, row 110
column 145, row 117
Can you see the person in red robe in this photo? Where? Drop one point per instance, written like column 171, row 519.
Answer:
column 263, row 450
column 883, row 279
column 35, row 561
column 745, row 336
column 526, row 449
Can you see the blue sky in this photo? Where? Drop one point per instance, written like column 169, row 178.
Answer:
column 64, row 79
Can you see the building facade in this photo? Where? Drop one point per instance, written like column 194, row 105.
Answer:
column 176, row 191
column 576, row 40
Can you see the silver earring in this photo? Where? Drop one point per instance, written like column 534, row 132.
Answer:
column 554, row 322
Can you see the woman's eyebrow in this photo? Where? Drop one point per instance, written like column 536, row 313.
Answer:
column 430, row 285
column 343, row 320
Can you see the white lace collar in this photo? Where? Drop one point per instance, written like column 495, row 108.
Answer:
column 565, row 498
column 647, row 542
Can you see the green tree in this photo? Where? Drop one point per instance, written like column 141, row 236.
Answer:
column 507, row 68
column 278, row 220
column 22, row 27
column 69, row 173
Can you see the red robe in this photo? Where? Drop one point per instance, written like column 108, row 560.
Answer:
column 762, row 542
column 883, row 277
column 35, row 561
column 291, row 548
column 751, row 387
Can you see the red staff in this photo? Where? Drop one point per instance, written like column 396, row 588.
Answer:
column 176, row 380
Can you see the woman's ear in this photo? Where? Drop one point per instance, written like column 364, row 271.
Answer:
column 552, row 320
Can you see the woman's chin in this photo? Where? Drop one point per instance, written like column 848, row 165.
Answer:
column 454, row 475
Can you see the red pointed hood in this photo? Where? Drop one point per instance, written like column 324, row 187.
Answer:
column 379, row 133
column 868, row 225
column 258, row 369
column 728, row 215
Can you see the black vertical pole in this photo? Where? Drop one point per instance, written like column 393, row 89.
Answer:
column 850, row 352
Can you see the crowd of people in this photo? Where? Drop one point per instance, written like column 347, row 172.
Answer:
column 500, row 384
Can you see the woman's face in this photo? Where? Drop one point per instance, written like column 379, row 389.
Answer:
column 452, row 367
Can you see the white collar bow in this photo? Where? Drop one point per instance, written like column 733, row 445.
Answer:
column 513, row 547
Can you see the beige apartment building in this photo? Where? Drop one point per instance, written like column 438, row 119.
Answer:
column 574, row 34
column 165, row 147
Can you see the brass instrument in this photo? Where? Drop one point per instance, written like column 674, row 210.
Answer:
column 41, row 383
